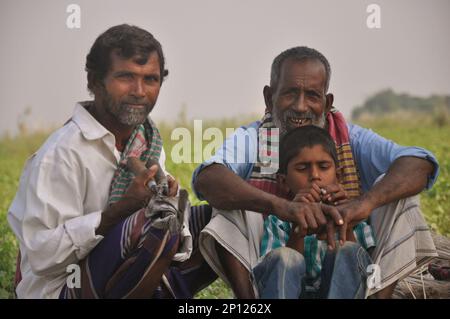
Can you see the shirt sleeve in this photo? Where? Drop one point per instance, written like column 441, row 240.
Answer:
column 54, row 229
column 162, row 162
column 238, row 153
column 276, row 234
column 374, row 155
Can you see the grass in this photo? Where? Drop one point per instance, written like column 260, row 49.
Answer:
column 15, row 151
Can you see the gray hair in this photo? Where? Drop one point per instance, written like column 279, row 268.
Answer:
column 298, row 53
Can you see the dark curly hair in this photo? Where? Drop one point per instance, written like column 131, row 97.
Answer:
column 129, row 41
column 305, row 136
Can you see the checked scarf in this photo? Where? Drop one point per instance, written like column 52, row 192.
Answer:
column 144, row 143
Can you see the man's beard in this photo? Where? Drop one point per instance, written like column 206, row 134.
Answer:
column 284, row 125
column 126, row 112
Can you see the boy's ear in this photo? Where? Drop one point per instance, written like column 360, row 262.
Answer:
column 281, row 180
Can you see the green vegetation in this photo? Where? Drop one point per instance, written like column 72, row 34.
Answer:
column 393, row 105
column 13, row 154
column 425, row 122
column 423, row 131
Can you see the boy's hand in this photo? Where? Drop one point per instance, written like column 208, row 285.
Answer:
column 297, row 231
column 308, row 195
column 297, row 239
column 333, row 194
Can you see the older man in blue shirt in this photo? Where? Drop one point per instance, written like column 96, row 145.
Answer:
column 380, row 177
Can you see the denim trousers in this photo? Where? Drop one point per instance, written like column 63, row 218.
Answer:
column 281, row 274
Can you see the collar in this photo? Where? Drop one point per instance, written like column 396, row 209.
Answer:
column 89, row 126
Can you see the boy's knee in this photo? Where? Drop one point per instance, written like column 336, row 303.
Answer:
column 288, row 258
column 354, row 253
column 350, row 247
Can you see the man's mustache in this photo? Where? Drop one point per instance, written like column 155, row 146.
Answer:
column 146, row 103
column 305, row 115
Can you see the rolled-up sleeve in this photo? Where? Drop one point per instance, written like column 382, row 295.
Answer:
column 375, row 154
column 238, row 153
column 55, row 230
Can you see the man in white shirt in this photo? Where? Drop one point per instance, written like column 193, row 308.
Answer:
column 78, row 205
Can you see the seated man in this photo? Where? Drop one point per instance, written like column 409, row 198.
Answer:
column 247, row 188
column 308, row 163
column 79, row 204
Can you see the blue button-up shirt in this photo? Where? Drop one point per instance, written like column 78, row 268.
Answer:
column 372, row 153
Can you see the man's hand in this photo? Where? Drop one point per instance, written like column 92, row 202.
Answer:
column 173, row 186
column 331, row 195
column 138, row 193
column 353, row 212
column 137, row 196
column 310, row 217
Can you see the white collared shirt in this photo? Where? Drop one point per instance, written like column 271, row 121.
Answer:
column 62, row 192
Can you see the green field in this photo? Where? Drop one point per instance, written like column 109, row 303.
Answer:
column 436, row 203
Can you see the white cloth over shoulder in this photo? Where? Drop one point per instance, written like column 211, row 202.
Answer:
column 239, row 232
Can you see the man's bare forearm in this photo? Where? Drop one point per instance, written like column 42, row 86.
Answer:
column 406, row 177
column 225, row 190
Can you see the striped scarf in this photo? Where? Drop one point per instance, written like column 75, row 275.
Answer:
column 268, row 143
column 144, row 143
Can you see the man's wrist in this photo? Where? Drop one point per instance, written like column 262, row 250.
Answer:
column 370, row 201
column 130, row 203
column 278, row 204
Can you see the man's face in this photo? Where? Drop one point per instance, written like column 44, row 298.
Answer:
column 130, row 89
column 310, row 165
column 300, row 97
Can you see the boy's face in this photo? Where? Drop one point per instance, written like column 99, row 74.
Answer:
column 310, row 165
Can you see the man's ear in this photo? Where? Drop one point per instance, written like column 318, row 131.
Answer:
column 281, row 180
column 90, row 81
column 93, row 83
column 329, row 102
column 267, row 91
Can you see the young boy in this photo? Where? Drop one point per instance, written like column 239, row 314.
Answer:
column 308, row 164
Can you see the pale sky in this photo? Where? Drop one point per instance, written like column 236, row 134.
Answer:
column 219, row 52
